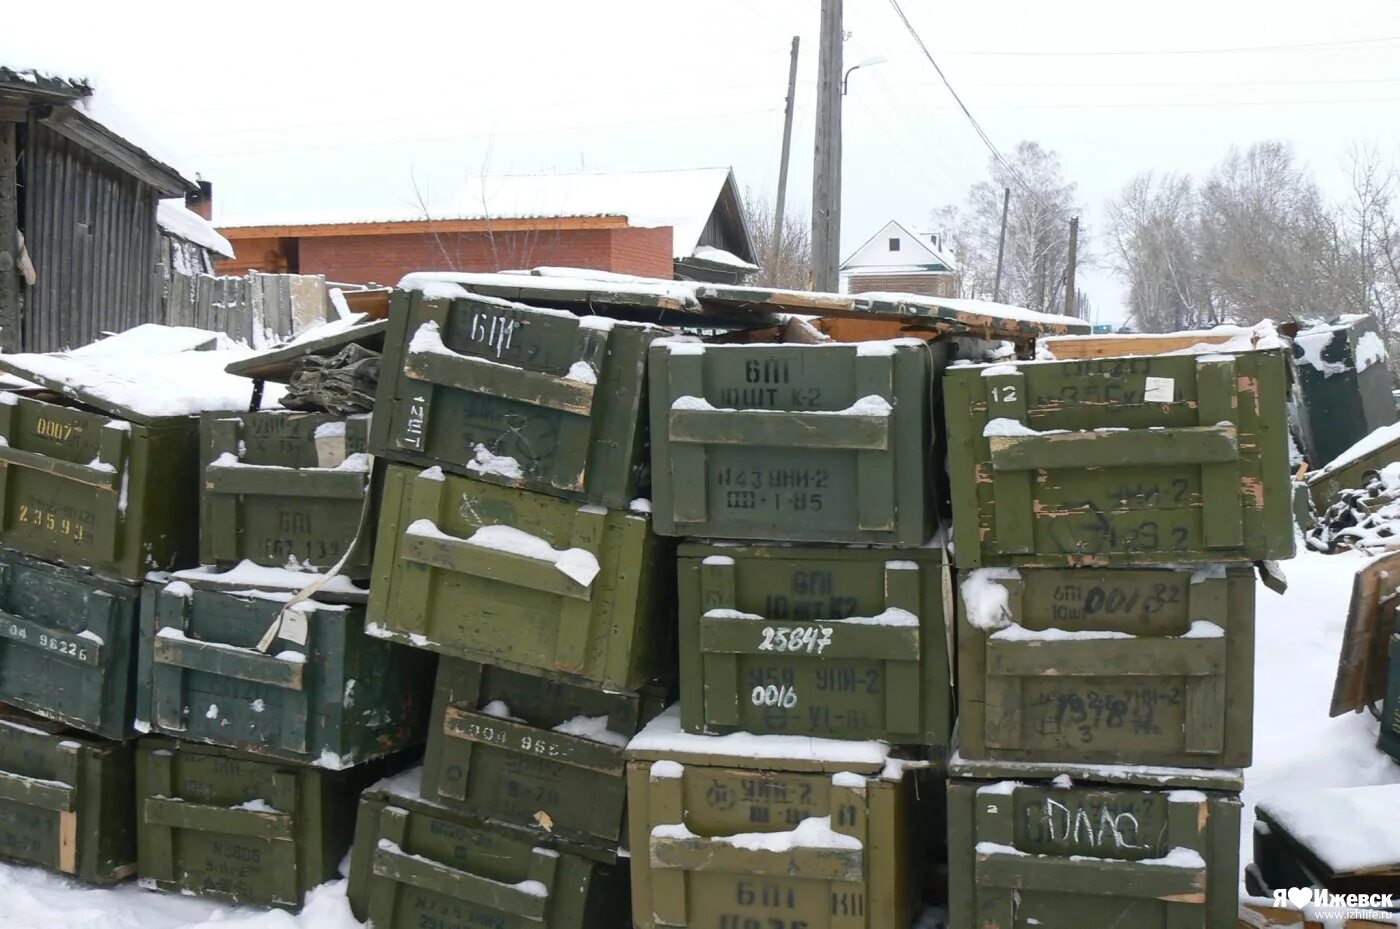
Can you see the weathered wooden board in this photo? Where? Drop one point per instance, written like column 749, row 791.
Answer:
column 1350, row 472
column 65, row 800
column 1363, row 668
column 823, row 641
column 1073, row 854
column 419, row 865
column 817, row 443
column 90, row 491
column 285, row 489
column 517, row 395
column 1120, row 461
column 522, row 580
column 542, row 755
column 322, row 692
column 68, row 645
column 234, row 827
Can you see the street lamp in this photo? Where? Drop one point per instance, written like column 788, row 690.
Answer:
column 845, row 79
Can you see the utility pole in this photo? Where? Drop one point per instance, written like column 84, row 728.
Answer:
column 1071, row 297
column 826, row 176
column 777, row 246
column 1001, row 244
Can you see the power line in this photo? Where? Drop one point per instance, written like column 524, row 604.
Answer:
column 1339, row 44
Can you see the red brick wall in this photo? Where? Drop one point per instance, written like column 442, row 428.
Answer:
column 385, row 258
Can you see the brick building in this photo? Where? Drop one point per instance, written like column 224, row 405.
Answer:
column 896, row 260
column 684, row 224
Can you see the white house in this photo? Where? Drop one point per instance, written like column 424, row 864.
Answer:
column 898, row 260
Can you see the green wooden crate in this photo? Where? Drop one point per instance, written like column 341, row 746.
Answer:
column 65, row 800
column 1350, row 471
column 788, row 832
column 522, row 580
column 234, row 827
column 80, row 487
column 1290, row 850
column 518, row 395
column 814, row 443
column 1388, row 739
column 1344, row 383
column 1107, row 665
column 540, row 754
column 284, row 489
column 804, row 640
column 68, row 645
column 1062, row 848
column 419, row 865
column 1166, row 459
column 323, row 692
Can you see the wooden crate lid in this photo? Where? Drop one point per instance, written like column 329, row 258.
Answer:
column 1346, row 831
column 276, row 364
column 1231, row 779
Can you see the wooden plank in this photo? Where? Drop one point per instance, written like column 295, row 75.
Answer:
column 9, row 241
column 1066, row 348
column 480, row 375
column 780, row 429
column 1363, row 668
column 1129, row 448
column 440, row 226
column 463, row 557
column 254, row 824
column 214, row 658
column 1137, row 656
column 1103, row 878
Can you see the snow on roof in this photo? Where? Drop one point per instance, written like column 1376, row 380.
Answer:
column 720, row 257
column 682, row 199
column 919, row 239
column 564, row 280
column 174, row 218
column 976, row 308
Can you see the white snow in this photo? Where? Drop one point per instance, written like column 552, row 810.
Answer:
column 1369, row 350
column 567, row 282
column 847, row 779
column 257, row 805
column 593, row 728
column 1312, row 342
column 1371, row 838
column 664, row 734
column 486, row 462
column 577, row 563
column 432, row 474
column 684, row 346
column 886, row 347
column 640, row 505
column 1200, row 629
column 497, row 708
column 331, row 430
column 247, row 574
column 174, row 218
column 872, row 405
column 667, row 770
column 213, row 712
column 1372, row 441
column 721, row 257
column 812, row 832
column 719, row 560
column 986, row 602
column 581, row 372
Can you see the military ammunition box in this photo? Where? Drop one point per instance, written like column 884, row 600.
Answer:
column 234, row 827
column 320, row 691
column 734, row 831
column 1107, row 665
column 1166, row 459
column 419, row 865
column 68, row 645
column 517, row 395
column 1061, row 848
column 544, row 755
column 284, row 489
column 1344, row 381
column 65, row 800
column 832, row 642
column 1319, row 839
column 522, row 580
column 82, row 488
column 814, row 443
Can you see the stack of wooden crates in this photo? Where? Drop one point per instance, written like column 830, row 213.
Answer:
column 514, row 540
column 1107, row 511
column 812, row 598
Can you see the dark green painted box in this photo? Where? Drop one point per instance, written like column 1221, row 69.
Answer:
column 823, row 641
column 80, row 487
column 284, row 489
column 1154, row 459
column 522, row 580
column 815, row 443
column 418, row 865
column 727, row 831
column 1389, row 737
column 1089, row 848
column 68, row 645
column 230, row 826
column 65, row 800
column 544, row 755
column 518, row 395
column 1344, row 381
column 1107, row 665
column 321, row 691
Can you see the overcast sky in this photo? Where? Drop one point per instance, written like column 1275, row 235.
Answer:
column 292, row 106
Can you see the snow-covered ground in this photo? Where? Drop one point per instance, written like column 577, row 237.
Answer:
column 1296, row 747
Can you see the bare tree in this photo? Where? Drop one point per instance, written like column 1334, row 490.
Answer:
column 1152, row 227
column 786, row 264
column 1037, row 234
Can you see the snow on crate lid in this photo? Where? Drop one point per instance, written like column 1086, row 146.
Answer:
column 1373, row 441
column 1371, row 839
column 664, row 739
column 147, row 373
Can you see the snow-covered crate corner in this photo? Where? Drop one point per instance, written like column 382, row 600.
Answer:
column 522, row 580
column 1344, row 385
column 825, row 641
column 65, row 799
column 415, row 861
column 235, row 827
column 733, row 828
column 1164, row 459
column 97, row 462
column 820, row 443
column 543, row 755
column 1049, row 846
column 285, row 489
column 68, row 644
column 304, row 682
column 519, row 395
column 1107, row 666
